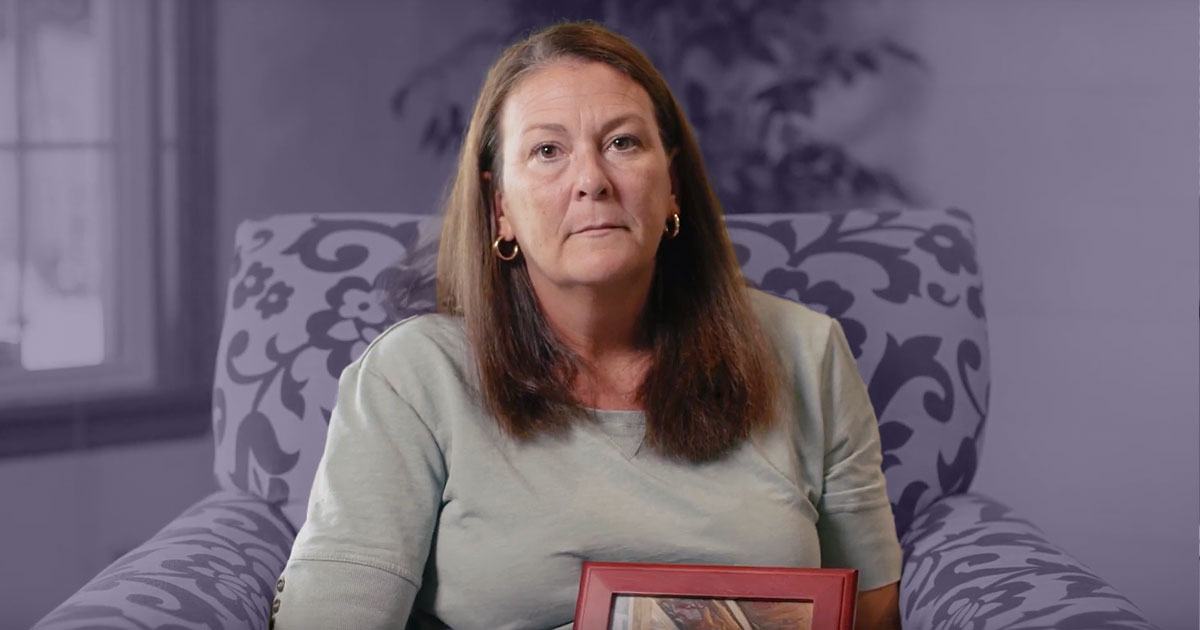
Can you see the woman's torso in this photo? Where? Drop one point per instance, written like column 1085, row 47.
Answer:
column 518, row 519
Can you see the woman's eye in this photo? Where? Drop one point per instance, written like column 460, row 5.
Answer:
column 624, row 143
column 547, row 151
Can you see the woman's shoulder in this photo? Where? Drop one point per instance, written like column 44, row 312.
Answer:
column 791, row 326
column 418, row 347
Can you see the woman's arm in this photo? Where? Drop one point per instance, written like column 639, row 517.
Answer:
column 879, row 609
column 856, row 524
column 358, row 559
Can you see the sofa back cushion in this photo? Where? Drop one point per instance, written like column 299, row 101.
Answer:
column 309, row 292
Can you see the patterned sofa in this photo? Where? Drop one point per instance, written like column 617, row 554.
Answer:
column 307, row 295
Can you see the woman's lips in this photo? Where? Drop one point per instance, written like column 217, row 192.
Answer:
column 599, row 229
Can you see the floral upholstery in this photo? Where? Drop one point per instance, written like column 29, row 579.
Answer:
column 213, row 567
column 907, row 290
column 969, row 563
column 305, row 299
column 308, row 294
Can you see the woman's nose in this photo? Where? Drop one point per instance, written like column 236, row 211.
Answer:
column 591, row 180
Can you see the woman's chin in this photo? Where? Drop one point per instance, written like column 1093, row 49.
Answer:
column 608, row 272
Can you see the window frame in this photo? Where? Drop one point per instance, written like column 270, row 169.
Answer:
column 166, row 392
column 131, row 148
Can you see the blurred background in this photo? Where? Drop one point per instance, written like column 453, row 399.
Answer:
column 136, row 135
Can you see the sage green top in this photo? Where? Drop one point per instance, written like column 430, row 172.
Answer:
column 421, row 506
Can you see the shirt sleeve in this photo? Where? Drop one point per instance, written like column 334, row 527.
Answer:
column 855, row 523
column 359, row 557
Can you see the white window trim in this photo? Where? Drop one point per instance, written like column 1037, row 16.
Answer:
column 131, row 366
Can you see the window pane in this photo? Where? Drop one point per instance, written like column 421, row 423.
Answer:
column 10, row 330
column 67, row 75
column 8, row 72
column 67, row 262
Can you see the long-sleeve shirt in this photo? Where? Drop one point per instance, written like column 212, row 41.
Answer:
column 423, row 513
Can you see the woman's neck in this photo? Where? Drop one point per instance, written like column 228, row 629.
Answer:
column 603, row 327
column 600, row 324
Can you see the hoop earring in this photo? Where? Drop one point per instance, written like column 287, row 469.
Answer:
column 673, row 225
column 516, row 249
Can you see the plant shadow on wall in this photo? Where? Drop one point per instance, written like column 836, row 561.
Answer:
column 750, row 75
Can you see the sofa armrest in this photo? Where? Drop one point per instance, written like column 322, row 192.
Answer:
column 969, row 563
column 214, row 568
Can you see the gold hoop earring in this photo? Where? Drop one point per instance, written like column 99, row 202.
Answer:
column 516, row 249
column 673, row 225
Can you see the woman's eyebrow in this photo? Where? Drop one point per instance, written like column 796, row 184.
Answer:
column 608, row 126
column 618, row 121
column 555, row 127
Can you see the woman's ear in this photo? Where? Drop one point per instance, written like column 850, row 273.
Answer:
column 499, row 219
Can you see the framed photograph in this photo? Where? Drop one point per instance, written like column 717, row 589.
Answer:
column 636, row 596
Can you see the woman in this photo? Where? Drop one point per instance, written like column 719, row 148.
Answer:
column 599, row 383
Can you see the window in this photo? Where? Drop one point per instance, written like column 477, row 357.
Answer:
column 103, row 195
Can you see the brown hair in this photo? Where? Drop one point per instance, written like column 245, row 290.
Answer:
column 713, row 378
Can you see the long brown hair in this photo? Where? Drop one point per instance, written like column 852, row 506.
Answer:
column 712, row 380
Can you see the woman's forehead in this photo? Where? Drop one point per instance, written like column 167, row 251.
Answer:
column 561, row 92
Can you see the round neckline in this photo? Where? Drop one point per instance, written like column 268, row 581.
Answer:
column 617, row 416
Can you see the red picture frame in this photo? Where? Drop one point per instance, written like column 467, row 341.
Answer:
column 831, row 592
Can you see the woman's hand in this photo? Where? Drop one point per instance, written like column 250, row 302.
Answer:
column 879, row 609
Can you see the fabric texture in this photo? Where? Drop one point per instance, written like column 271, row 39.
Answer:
column 970, row 562
column 414, row 468
column 213, row 567
column 306, row 297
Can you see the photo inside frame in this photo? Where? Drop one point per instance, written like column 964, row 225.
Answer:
column 646, row 612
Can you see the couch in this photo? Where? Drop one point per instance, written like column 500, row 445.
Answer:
column 309, row 292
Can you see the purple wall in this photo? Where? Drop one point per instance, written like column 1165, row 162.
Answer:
column 1077, row 152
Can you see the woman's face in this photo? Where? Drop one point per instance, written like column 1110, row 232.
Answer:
column 586, row 186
